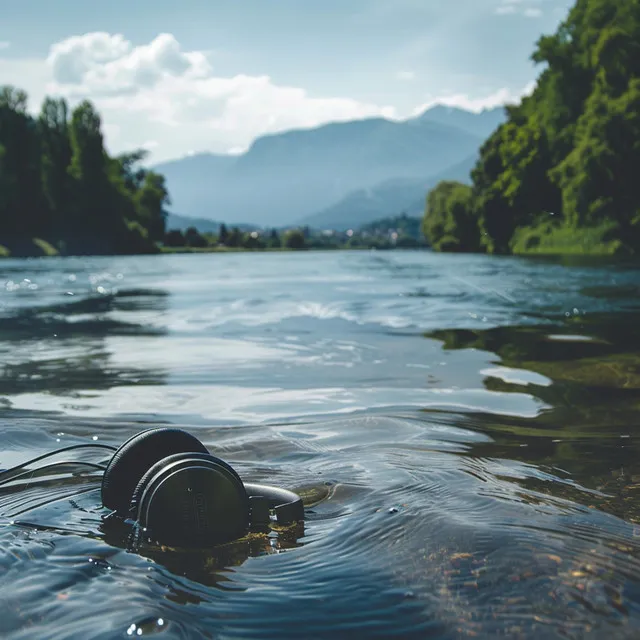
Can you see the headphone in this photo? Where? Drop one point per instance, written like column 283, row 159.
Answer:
column 166, row 484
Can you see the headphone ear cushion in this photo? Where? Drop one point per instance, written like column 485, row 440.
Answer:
column 136, row 496
column 227, row 506
column 136, row 456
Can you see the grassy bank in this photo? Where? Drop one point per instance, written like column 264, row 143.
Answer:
column 38, row 248
column 223, row 249
column 554, row 239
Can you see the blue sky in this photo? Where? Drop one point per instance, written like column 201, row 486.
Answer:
column 179, row 77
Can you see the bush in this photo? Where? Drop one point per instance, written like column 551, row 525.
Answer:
column 559, row 238
column 174, row 238
column 194, row 239
column 449, row 218
column 295, row 239
column 137, row 240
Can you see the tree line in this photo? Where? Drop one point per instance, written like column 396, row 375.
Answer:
column 562, row 171
column 297, row 238
column 59, row 185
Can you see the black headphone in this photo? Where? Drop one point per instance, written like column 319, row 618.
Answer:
column 165, row 482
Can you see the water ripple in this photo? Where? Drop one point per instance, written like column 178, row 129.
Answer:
column 466, row 472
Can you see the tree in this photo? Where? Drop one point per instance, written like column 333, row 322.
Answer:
column 150, row 198
column 175, row 238
column 58, row 183
column 194, row 239
column 449, row 221
column 223, row 235
column 95, row 218
column 274, row 239
column 570, row 148
column 53, row 126
column 23, row 198
column 294, row 239
column 235, row 238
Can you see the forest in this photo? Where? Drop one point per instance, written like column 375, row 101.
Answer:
column 561, row 175
column 61, row 192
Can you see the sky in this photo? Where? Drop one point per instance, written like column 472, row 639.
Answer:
column 185, row 77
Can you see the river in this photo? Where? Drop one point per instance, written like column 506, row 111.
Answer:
column 464, row 430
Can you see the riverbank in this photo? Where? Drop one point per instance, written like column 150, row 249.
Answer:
column 39, row 248
column 529, row 242
column 553, row 239
column 224, row 249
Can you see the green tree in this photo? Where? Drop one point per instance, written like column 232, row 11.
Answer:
column 571, row 147
column 95, row 217
column 253, row 240
column 175, row 238
column 450, row 223
column 24, row 206
column 235, row 238
column 294, row 239
column 58, row 183
column 223, row 234
column 53, row 126
column 150, row 198
column 193, row 238
column 274, row 239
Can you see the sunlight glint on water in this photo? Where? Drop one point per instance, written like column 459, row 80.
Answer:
column 464, row 427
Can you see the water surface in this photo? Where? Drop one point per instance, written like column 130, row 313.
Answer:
column 463, row 429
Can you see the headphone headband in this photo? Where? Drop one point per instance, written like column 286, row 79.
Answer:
column 287, row 505
column 165, row 481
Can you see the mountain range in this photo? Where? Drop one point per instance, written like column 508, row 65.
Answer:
column 336, row 175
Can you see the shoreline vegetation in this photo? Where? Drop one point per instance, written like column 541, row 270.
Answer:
column 557, row 178
column 62, row 193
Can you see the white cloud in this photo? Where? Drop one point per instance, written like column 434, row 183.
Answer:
column 169, row 101
column 4, row 44
column 157, row 90
column 477, row 104
column 28, row 74
column 527, row 8
column 100, row 63
column 405, row 75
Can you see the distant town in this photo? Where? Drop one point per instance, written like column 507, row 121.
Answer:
column 401, row 232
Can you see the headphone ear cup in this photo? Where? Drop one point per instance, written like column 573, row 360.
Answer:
column 136, row 456
column 191, row 498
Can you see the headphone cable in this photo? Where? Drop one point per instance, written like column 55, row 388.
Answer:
column 54, row 465
column 12, row 470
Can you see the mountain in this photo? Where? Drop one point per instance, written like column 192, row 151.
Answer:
column 480, row 124
column 203, row 225
column 394, row 196
column 388, row 198
column 288, row 176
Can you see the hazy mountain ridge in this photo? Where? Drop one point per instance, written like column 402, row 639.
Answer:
column 284, row 178
column 479, row 124
column 389, row 198
column 203, row 225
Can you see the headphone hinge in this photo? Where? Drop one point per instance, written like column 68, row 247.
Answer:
column 259, row 509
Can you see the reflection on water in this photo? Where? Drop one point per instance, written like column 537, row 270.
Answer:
column 463, row 430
